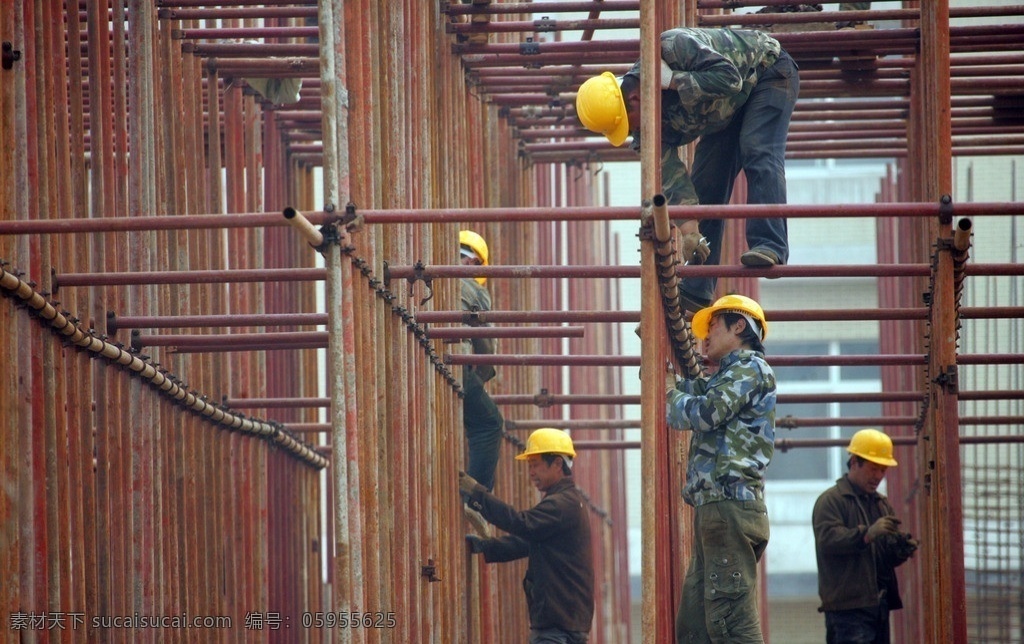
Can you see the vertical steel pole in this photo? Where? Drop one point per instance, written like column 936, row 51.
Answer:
column 658, row 563
column 949, row 611
column 341, row 351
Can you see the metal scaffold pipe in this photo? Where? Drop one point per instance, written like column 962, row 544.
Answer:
column 305, row 228
column 778, row 361
column 57, row 226
column 166, row 383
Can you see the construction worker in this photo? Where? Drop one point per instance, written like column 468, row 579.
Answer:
column 859, row 545
column 732, row 417
column 735, row 90
column 554, row 534
column 481, row 418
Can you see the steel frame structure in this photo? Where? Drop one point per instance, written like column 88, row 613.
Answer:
column 143, row 184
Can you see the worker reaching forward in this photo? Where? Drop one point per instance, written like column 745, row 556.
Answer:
column 859, row 546
column 732, row 417
column 734, row 89
column 554, row 534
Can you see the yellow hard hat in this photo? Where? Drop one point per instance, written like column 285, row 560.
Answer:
column 741, row 304
column 474, row 242
column 601, row 109
column 872, row 445
column 548, row 441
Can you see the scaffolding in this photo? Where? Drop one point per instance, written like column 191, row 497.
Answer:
column 251, row 208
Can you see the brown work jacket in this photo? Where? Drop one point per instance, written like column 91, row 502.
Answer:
column 555, row 535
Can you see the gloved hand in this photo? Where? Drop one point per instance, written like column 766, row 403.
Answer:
column 903, row 545
column 475, row 543
column 666, row 75
column 884, row 525
column 467, row 484
column 695, row 248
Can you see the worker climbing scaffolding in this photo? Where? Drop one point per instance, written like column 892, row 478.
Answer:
column 481, row 418
column 736, row 90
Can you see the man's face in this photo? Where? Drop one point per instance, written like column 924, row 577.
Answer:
column 722, row 340
column 632, row 101
column 866, row 475
column 544, row 475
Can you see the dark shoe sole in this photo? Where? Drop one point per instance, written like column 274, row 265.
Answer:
column 759, row 258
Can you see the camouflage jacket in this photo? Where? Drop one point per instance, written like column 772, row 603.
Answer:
column 476, row 298
column 732, row 416
column 715, row 71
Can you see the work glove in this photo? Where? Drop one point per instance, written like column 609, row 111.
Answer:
column 695, row 248
column 884, row 525
column 903, row 545
column 666, row 75
column 467, row 484
column 475, row 543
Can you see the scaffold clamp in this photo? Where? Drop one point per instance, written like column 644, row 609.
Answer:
column 949, row 379
column 429, row 570
column 946, row 210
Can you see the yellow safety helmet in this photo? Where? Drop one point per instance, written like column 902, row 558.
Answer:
column 469, row 240
column 548, row 441
column 741, row 304
column 872, row 445
column 601, row 109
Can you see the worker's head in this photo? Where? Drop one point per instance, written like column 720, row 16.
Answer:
column 870, row 456
column 600, row 107
column 549, row 453
column 473, row 251
column 732, row 322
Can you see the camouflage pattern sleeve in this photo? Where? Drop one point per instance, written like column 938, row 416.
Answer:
column 716, row 406
column 700, row 71
column 675, row 178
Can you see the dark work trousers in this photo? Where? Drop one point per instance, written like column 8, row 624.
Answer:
column 719, row 599
column 858, row 626
column 483, row 423
column 755, row 142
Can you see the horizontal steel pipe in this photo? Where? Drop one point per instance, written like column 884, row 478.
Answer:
column 285, row 338
column 228, row 13
column 495, row 8
column 602, row 423
column 276, row 403
column 623, row 271
column 480, row 215
column 550, row 400
column 117, row 322
column 589, row 445
column 746, row 20
column 532, row 26
column 168, row 4
column 511, row 359
column 221, row 33
column 784, row 444
column 61, row 280
column 497, row 317
column 469, row 332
